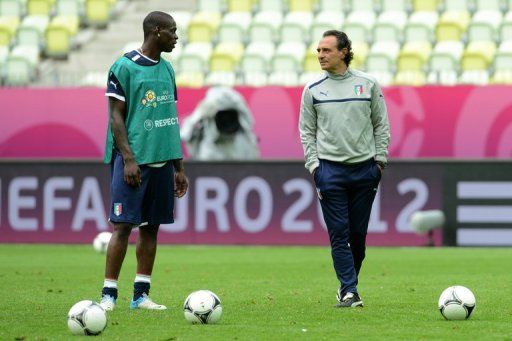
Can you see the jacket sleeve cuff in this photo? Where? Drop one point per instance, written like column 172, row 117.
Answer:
column 313, row 166
column 381, row 159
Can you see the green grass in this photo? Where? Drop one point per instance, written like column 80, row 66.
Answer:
column 267, row 293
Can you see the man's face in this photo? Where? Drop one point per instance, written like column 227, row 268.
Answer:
column 168, row 37
column 330, row 58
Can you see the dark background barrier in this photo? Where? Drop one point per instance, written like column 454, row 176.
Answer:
column 260, row 203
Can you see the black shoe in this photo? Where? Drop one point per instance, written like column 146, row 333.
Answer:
column 350, row 300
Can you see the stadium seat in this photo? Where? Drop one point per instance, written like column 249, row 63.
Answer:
column 284, row 78
column 296, row 26
column 272, row 5
column 488, row 5
column 194, row 58
column 421, row 27
column 234, row 27
column 17, row 71
column 362, row 5
column 39, row 7
column 8, row 27
column 202, row 26
column 254, row 78
column 190, row 79
column 31, row 31
column 395, row 5
column 240, row 5
column 306, row 77
column 301, row 5
column 505, row 30
column 97, row 12
column 444, row 63
column 458, row 5
column 289, row 56
column 57, row 41
column 359, row 25
column 69, row 7
column 71, row 23
column 225, row 57
column 330, row 6
column 265, row 26
column 257, row 57
column 484, row 26
column 182, row 19
column 502, row 77
column 360, row 49
column 324, row 21
column 389, row 26
column 452, row 25
column 474, row 77
column 12, row 8
column 425, row 5
column 311, row 63
column 413, row 56
column 478, row 56
column 503, row 57
column 413, row 78
column 220, row 78
column 382, row 57
column 210, row 6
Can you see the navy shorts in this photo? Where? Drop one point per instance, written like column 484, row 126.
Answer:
column 152, row 203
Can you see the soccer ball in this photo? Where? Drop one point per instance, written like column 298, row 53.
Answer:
column 202, row 306
column 87, row 318
column 457, row 303
column 101, row 241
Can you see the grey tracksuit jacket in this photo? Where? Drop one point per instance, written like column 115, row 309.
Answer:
column 343, row 118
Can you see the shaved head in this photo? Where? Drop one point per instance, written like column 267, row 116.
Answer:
column 156, row 19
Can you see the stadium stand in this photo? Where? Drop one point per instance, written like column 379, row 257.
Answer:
column 259, row 42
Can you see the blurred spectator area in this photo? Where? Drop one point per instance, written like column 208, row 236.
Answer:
column 261, row 42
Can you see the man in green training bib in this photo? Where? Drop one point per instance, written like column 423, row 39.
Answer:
column 143, row 149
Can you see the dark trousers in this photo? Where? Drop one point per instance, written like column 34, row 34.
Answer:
column 346, row 195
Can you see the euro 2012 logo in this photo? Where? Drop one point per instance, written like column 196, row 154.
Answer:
column 149, row 99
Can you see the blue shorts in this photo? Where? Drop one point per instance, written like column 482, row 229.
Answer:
column 152, row 203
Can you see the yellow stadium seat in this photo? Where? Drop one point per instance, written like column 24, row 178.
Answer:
column 203, row 26
column 413, row 56
column 452, row 25
column 478, row 56
column 8, row 27
column 425, row 5
column 301, row 5
column 39, row 7
column 97, row 12
column 69, row 22
column 190, row 79
column 240, row 5
column 225, row 56
column 414, row 78
column 57, row 41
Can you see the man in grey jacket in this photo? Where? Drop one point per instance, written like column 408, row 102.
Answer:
column 344, row 130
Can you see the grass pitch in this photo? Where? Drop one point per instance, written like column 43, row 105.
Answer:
column 267, row 293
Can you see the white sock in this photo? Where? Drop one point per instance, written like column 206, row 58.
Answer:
column 110, row 283
column 142, row 278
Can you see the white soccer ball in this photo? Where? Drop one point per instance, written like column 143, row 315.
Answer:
column 101, row 241
column 457, row 303
column 87, row 318
column 202, row 306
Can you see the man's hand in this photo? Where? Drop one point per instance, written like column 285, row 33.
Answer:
column 132, row 174
column 181, row 184
column 381, row 169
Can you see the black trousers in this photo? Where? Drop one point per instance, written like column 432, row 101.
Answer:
column 346, row 195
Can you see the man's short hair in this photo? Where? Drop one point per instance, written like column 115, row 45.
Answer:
column 154, row 19
column 343, row 42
